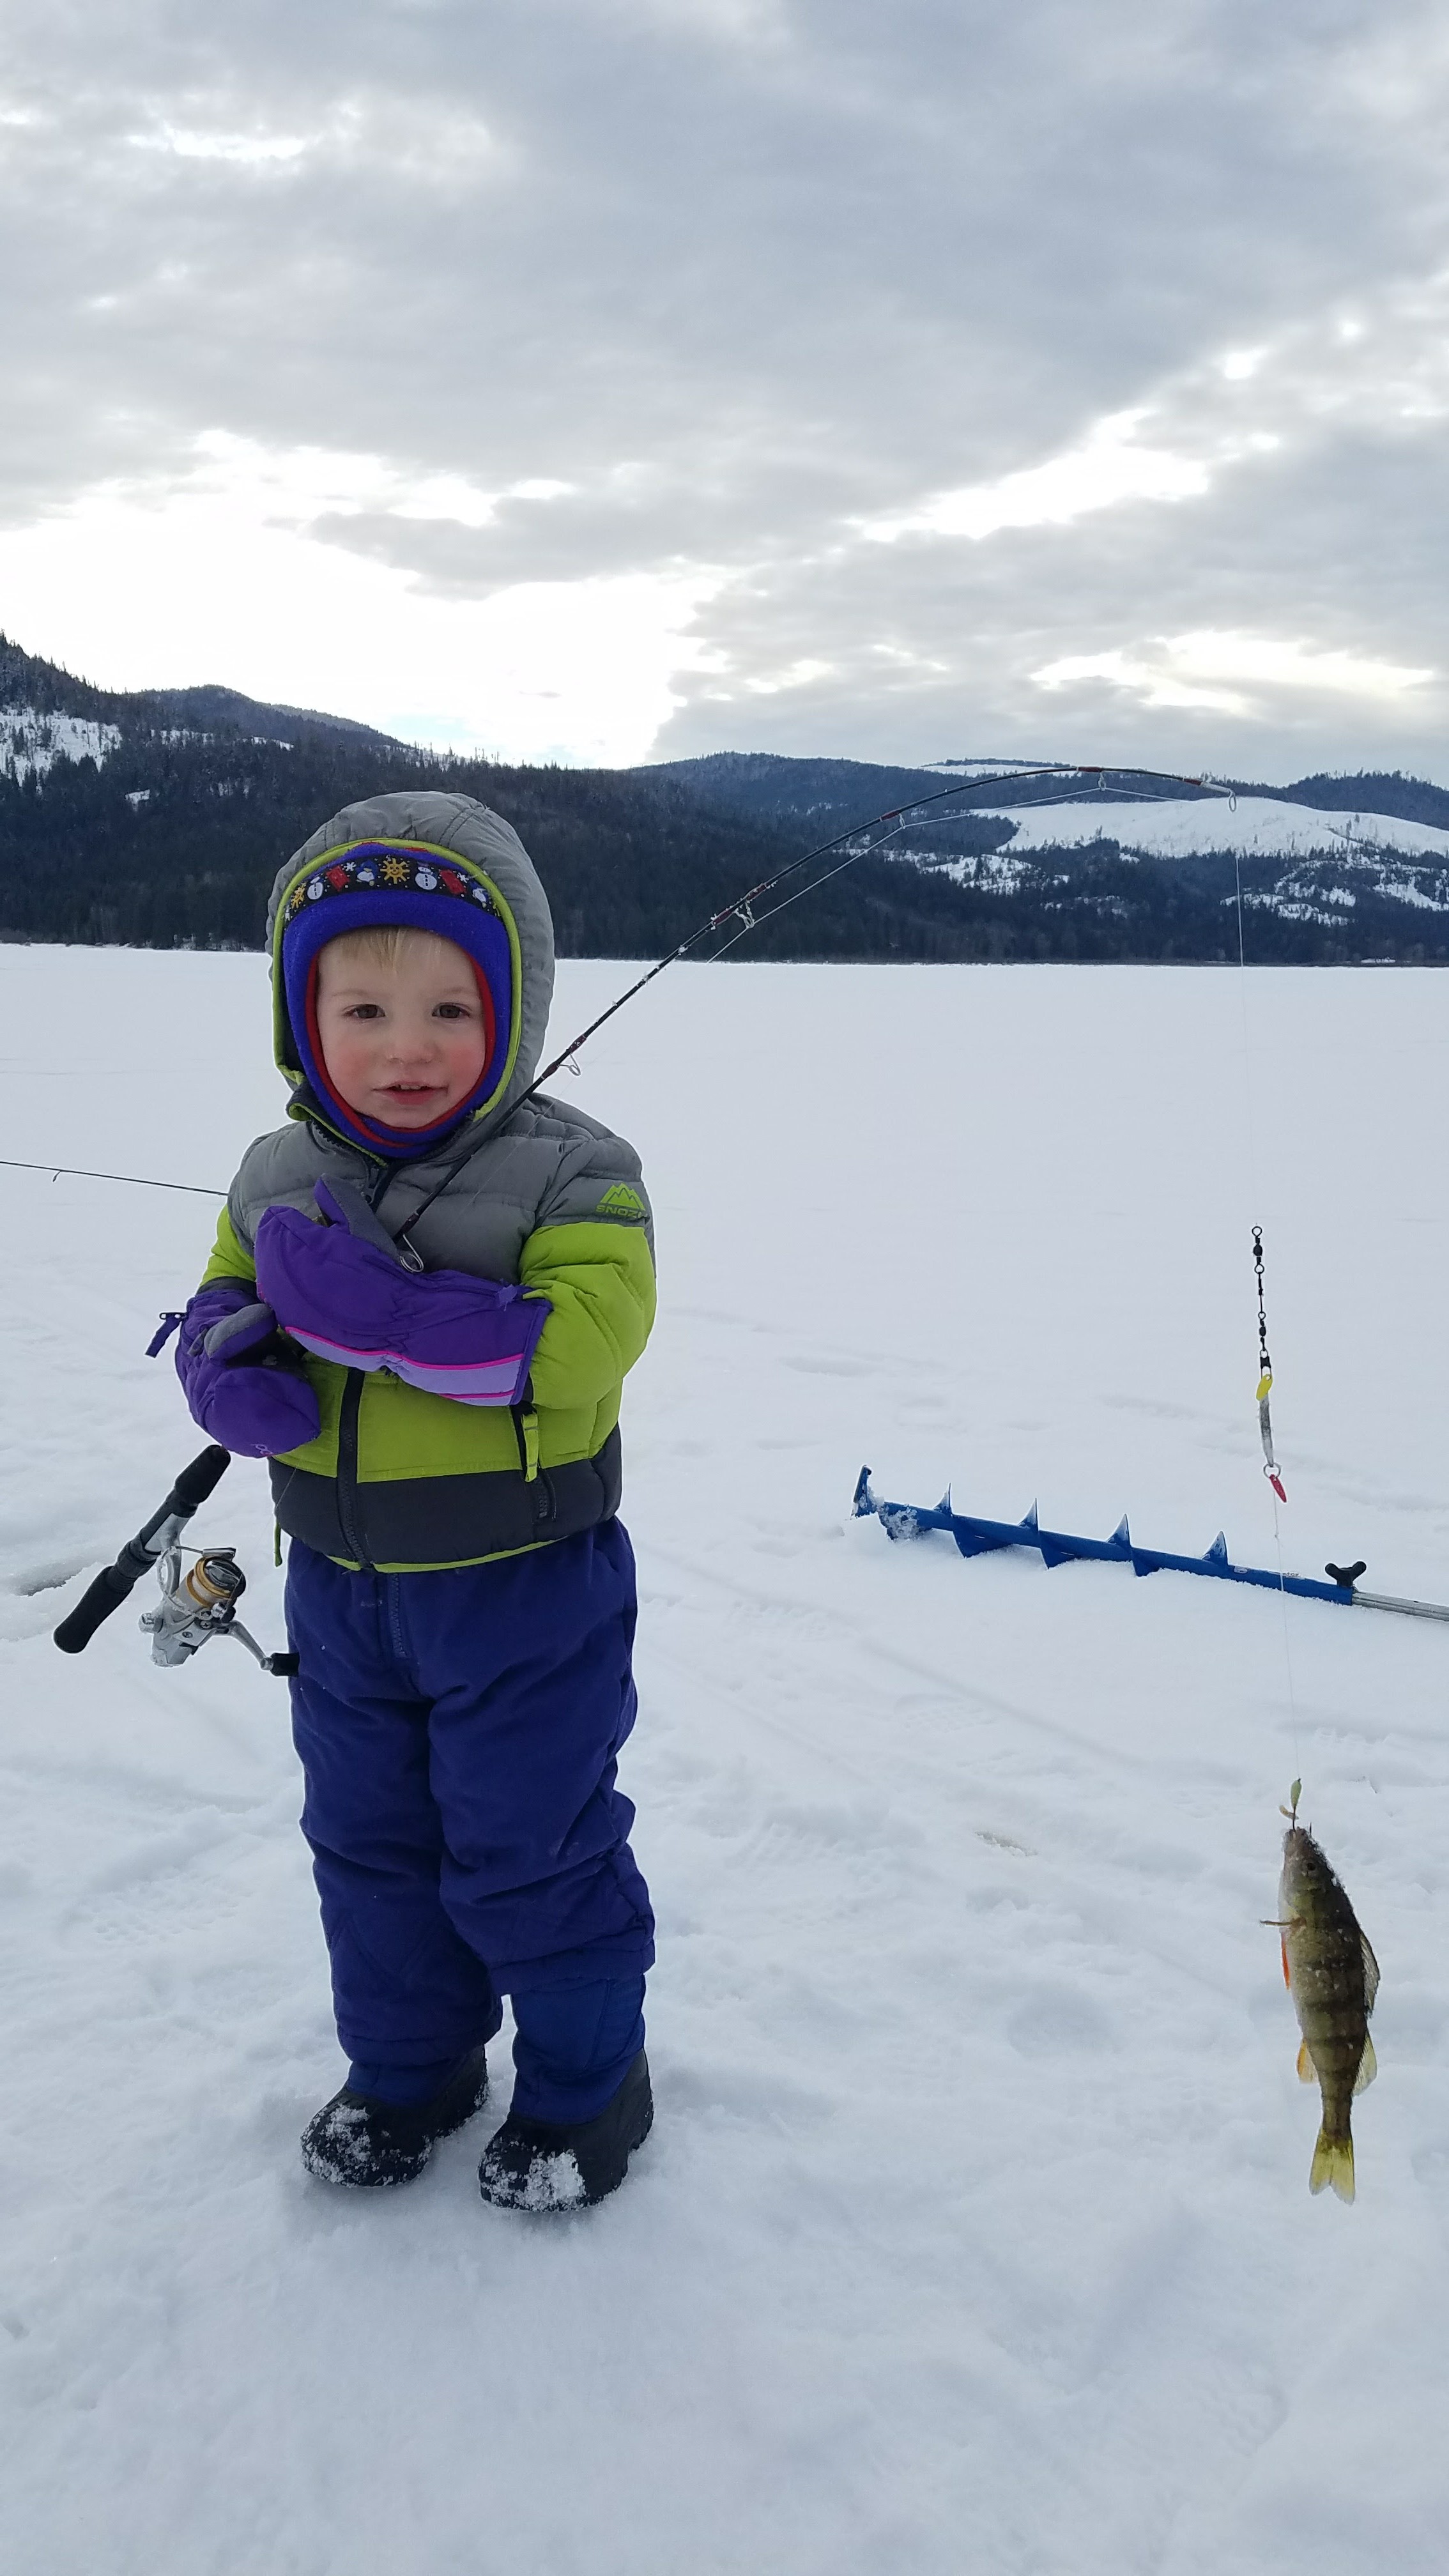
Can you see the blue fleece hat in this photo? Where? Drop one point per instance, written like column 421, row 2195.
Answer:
column 370, row 885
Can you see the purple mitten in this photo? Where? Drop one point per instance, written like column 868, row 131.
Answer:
column 338, row 1293
column 252, row 1405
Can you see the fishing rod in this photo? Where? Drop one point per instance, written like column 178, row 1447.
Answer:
column 137, row 1180
column 899, row 818
column 741, row 910
column 197, row 1604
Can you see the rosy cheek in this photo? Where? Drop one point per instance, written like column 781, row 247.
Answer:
column 346, row 1053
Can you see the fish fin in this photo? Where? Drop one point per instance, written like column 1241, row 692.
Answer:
column 1370, row 1975
column 1307, row 2071
column 1333, row 2163
column 1287, row 1979
column 1368, row 2067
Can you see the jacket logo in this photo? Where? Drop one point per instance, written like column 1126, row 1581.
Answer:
column 620, row 1201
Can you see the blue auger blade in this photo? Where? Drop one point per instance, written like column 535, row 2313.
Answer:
column 1049, row 1547
column 973, row 1538
column 977, row 1537
column 980, row 1538
column 1217, row 1562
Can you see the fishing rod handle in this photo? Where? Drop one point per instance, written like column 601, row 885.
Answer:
column 196, row 1483
column 106, row 1594
column 112, row 1586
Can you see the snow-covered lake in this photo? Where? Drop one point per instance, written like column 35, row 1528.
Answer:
column 974, row 2236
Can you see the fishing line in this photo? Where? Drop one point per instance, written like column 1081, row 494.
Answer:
column 1265, row 1368
column 135, row 1180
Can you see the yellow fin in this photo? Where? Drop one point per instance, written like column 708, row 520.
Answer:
column 1307, row 2071
column 1333, row 2163
column 1368, row 2067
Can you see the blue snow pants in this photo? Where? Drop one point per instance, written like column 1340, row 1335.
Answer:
column 458, row 1734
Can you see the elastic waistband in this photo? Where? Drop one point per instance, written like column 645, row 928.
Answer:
column 451, row 1520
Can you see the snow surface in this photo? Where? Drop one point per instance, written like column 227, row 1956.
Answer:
column 974, row 2236
column 31, row 742
column 1258, row 826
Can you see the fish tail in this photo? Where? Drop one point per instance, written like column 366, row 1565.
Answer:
column 1332, row 2163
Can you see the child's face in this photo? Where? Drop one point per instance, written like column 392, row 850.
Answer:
column 403, row 1043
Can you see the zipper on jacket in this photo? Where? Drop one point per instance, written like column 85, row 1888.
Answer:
column 525, row 1432
column 349, row 1501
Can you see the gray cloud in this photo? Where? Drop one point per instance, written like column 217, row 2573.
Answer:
column 744, row 274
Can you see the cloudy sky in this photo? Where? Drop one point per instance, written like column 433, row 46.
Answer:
column 619, row 379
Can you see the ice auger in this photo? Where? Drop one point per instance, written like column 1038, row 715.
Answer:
column 976, row 1537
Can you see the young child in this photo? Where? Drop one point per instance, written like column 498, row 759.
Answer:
column 424, row 1295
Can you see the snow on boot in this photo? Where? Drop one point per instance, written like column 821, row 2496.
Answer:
column 549, row 2164
column 356, row 2138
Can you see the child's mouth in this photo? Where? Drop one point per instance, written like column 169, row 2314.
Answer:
column 404, row 1097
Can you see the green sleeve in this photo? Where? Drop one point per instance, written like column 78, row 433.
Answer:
column 599, row 1280
column 228, row 1261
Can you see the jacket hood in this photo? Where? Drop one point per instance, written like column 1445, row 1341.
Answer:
column 483, row 847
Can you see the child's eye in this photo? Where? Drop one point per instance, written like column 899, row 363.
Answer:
column 453, row 1011
column 365, row 1011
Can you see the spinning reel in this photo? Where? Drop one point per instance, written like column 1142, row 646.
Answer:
column 201, row 1604
column 196, row 1604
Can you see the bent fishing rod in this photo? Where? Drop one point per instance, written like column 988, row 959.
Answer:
column 887, row 825
column 899, row 819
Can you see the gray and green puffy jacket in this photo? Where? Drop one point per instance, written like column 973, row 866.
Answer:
column 534, row 1194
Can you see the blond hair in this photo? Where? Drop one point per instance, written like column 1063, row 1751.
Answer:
column 383, row 944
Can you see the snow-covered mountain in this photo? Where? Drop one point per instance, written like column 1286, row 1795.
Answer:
column 1325, row 864
column 195, row 794
column 47, row 714
column 1256, row 826
column 1333, row 869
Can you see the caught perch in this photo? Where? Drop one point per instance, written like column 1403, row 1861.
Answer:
column 1333, row 1977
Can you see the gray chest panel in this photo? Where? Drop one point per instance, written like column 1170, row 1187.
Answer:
column 482, row 1220
column 546, row 1167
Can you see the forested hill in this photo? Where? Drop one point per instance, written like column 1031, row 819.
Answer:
column 833, row 792
column 159, row 818
column 29, row 684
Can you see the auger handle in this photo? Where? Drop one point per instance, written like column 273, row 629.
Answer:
column 112, row 1586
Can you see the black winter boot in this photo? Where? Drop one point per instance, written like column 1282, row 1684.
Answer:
column 355, row 2138
column 549, row 2165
